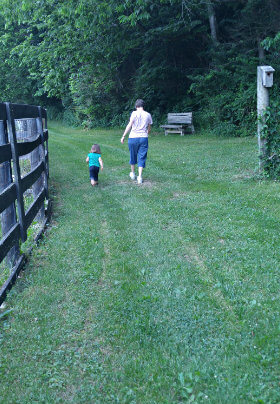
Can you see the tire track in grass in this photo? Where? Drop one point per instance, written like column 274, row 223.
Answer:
column 175, row 231
column 107, row 253
column 212, row 290
column 198, row 262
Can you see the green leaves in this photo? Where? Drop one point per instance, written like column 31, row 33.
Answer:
column 96, row 56
column 270, row 133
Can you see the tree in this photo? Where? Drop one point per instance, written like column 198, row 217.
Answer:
column 97, row 56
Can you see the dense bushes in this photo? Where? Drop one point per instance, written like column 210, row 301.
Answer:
column 92, row 59
column 271, row 136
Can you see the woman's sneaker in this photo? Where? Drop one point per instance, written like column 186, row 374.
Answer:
column 132, row 175
column 139, row 180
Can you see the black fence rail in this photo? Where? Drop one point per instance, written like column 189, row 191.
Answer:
column 24, row 172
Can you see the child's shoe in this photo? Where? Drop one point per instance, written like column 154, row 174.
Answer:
column 132, row 175
column 139, row 180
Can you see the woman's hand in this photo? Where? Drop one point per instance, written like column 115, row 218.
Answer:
column 127, row 129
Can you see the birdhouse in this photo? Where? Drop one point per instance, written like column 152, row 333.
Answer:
column 267, row 76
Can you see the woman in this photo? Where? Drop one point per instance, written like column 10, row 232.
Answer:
column 140, row 125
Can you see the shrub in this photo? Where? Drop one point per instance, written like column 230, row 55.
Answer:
column 271, row 135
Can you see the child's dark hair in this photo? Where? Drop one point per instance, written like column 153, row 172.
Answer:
column 95, row 148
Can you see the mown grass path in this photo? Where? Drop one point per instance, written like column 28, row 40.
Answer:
column 162, row 293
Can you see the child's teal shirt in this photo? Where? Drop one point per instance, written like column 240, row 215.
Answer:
column 94, row 159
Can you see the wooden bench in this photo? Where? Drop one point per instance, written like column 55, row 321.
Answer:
column 178, row 123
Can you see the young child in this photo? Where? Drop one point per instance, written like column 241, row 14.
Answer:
column 94, row 161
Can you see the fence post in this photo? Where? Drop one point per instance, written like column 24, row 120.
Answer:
column 16, row 170
column 45, row 126
column 39, row 122
column 8, row 216
column 264, row 82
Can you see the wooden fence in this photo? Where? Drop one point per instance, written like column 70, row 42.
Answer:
column 23, row 134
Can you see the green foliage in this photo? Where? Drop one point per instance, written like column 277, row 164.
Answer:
column 271, row 118
column 96, row 57
column 272, row 43
column 271, row 135
column 226, row 96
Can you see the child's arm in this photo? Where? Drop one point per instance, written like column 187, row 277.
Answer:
column 87, row 159
column 100, row 162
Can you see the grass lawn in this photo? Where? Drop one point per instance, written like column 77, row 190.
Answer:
column 164, row 292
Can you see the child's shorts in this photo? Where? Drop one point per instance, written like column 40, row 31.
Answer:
column 138, row 148
column 93, row 173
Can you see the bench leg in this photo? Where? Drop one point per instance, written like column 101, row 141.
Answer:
column 165, row 132
column 192, row 128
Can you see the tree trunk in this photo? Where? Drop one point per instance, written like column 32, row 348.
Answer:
column 260, row 51
column 212, row 22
